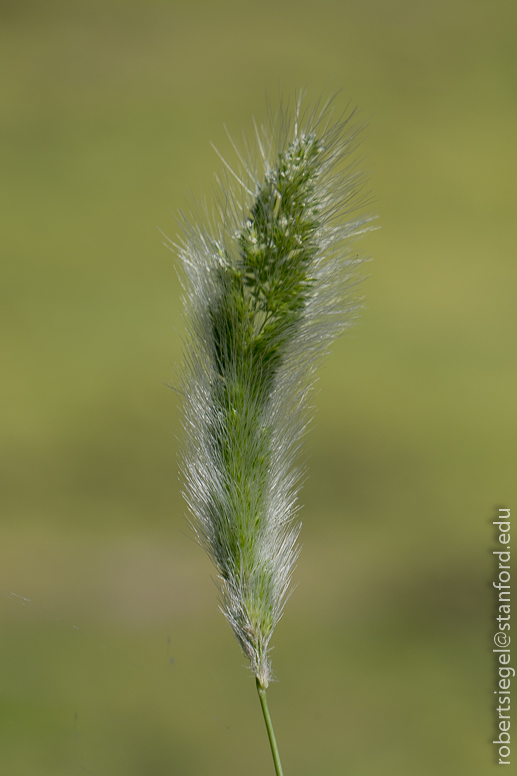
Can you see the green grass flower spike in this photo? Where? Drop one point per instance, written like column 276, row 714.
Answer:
column 267, row 278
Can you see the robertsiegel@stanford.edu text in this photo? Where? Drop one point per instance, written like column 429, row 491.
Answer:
column 502, row 638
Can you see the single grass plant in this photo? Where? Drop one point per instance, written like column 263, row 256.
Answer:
column 268, row 277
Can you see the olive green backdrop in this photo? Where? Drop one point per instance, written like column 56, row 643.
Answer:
column 113, row 657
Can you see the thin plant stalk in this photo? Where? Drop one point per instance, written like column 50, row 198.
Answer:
column 269, row 725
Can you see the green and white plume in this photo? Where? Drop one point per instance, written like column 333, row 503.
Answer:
column 267, row 274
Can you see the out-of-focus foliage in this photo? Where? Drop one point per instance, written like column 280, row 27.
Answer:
column 383, row 657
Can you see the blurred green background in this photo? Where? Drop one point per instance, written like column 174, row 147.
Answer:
column 120, row 662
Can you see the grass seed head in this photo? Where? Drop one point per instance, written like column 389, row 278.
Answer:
column 267, row 279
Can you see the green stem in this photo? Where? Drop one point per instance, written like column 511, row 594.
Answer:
column 269, row 725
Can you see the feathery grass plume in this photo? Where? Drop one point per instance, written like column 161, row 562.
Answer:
column 267, row 279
